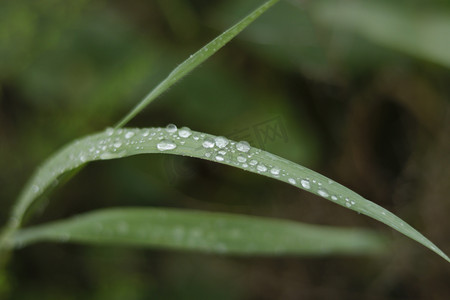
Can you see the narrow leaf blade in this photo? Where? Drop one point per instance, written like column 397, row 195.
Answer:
column 204, row 231
column 196, row 59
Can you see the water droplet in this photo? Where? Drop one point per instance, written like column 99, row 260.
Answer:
column 117, row 144
column 171, row 128
column 109, row 131
column 146, row 133
column 334, row 198
column 129, row 134
column 253, row 162
column 261, row 168
column 243, row 146
column 305, row 183
column 219, row 158
column 35, row 188
column 323, row 193
column 221, row 141
column 184, row 132
column 222, row 152
column 208, row 143
column 165, row 144
column 347, row 204
column 241, row 159
column 275, row 171
column 292, row 181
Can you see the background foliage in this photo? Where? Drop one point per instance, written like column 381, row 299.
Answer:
column 369, row 113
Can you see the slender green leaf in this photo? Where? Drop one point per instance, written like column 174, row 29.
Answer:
column 112, row 144
column 203, row 231
column 196, row 59
column 420, row 33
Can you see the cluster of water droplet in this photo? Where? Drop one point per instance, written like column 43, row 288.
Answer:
column 115, row 143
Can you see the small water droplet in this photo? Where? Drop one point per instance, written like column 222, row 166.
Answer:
column 208, row 143
column 129, row 134
column 221, row 141
column 184, row 132
column 171, row 128
column 347, row 204
column 146, row 133
column 241, row 159
column 117, row 144
column 334, row 198
column 305, row 183
column 261, row 168
column 292, row 181
column 165, row 144
column 35, row 188
column 253, row 162
column 243, row 146
column 275, row 171
column 219, row 158
column 323, row 193
column 109, row 131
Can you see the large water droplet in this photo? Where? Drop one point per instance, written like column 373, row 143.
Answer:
column 243, row 146
column 275, row 171
column 166, row 145
column 221, row 141
column 208, row 143
column 261, row 168
column 184, row 132
column 171, row 128
column 305, row 183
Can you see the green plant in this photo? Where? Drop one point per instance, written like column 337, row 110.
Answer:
column 194, row 230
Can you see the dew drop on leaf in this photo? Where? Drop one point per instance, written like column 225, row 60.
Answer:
column 243, row 146
column 305, row 183
column 171, row 128
column 165, row 145
column 184, row 132
column 208, row 143
column 221, row 141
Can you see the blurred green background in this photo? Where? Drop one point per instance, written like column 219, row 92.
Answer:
column 356, row 90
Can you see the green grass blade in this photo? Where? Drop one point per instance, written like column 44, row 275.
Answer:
column 112, row 144
column 423, row 34
column 203, row 231
column 195, row 60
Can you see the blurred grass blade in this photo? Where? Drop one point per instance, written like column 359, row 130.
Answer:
column 425, row 35
column 196, row 59
column 112, row 144
column 203, row 231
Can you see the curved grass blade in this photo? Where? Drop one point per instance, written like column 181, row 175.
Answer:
column 418, row 33
column 112, row 144
column 196, row 59
column 203, row 231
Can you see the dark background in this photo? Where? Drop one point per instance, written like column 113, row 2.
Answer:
column 372, row 118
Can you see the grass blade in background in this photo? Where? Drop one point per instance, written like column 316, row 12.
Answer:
column 112, row 144
column 422, row 34
column 196, row 59
column 203, row 231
